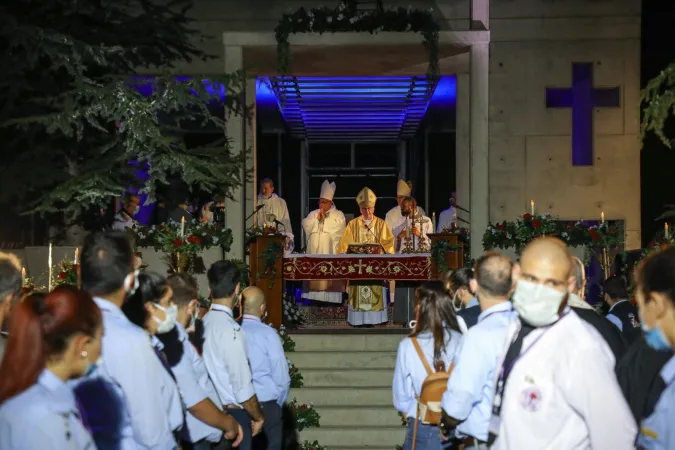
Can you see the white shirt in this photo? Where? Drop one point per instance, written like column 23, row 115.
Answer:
column 423, row 241
column 225, row 356
column 562, row 393
column 323, row 237
column 409, row 373
column 446, row 218
column 276, row 206
column 394, row 216
column 122, row 221
column 170, row 393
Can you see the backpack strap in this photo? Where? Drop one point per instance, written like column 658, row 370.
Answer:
column 420, row 353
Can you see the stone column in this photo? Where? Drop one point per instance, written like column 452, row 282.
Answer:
column 480, row 186
column 250, row 127
column 463, row 147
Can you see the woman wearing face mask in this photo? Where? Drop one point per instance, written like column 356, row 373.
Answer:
column 54, row 339
column 656, row 302
column 457, row 283
column 437, row 335
column 150, row 308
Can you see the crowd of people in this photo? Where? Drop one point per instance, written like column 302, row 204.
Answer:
column 526, row 363
column 129, row 360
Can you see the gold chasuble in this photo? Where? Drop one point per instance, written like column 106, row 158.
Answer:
column 366, row 298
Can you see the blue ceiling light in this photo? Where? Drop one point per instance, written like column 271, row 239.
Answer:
column 144, row 84
column 354, row 109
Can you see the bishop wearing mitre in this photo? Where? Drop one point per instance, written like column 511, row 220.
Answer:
column 403, row 190
column 367, row 299
column 323, row 229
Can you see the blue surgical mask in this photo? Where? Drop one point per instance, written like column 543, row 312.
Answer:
column 655, row 338
column 91, row 368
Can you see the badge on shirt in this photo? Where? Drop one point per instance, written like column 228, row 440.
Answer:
column 530, row 398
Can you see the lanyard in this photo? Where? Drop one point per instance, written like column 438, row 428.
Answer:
column 496, row 312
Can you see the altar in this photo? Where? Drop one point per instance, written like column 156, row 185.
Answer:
column 413, row 267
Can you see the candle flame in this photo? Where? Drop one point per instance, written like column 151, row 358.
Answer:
column 182, row 219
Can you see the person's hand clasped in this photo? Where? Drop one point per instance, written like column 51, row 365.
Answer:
column 256, row 426
column 233, row 431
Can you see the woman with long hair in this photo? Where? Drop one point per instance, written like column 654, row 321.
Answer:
column 437, row 334
column 457, row 283
column 656, row 302
column 53, row 339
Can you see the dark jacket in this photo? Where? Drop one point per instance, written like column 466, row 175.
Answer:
column 470, row 315
column 630, row 321
column 607, row 330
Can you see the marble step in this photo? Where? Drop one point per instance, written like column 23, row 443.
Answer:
column 369, row 378
column 341, row 359
column 346, row 342
column 343, row 396
column 361, row 416
column 360, row 437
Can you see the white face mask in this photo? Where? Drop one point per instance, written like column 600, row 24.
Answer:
column 169, row 321
column 136, row 209
column 537, row 304
column 457, row 302
column 127, row 282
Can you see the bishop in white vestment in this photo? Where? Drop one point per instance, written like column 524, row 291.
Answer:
column 274, row 212
column 394, row 217
column 323, row 229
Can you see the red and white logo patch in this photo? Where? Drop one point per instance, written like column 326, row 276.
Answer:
column 530, row 399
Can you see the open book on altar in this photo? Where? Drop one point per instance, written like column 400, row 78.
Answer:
column 364, row 249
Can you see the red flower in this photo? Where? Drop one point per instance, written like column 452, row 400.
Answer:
column 303, row 406
column 527, row 216
column 595, row 236
column 61, row 276
column 193, row 239
column 177, row 242
column 75, row 266
column 536, row 223
column 501, row 226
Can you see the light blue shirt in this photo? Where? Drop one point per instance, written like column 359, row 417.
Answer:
column 173, row 404
column 656, row 431
column 195, row 386
column 471, row 384
column 225, row 356
column 268, row 361
column 612, row 318
column 43, row 417
column 131, row 363
column 409, row 372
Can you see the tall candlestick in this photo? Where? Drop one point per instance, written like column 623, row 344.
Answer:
column 182, row 226
column 433, row 221
column 23, row 276
column 532, row 207
column 76, row 260
column 407, row 228
column 49, row 262
column 666, row 233
column 602, row 217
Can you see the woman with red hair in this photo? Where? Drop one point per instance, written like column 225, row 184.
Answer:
column 53, row 339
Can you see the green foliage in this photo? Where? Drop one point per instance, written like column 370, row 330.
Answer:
column 71, row 119
column 305, row 415
column 658, row 100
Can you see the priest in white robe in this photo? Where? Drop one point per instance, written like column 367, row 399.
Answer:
column 403, row 190
column 411, row 235
column 323, row 229
column 448, row 219
column 273, row 211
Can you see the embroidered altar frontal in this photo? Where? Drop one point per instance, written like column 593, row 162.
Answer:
column 413, row 267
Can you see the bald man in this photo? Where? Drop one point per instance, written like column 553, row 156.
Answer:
column 269, row 367
column 556, row 387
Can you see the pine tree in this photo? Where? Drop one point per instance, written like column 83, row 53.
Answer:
column 658, row 100
column 72, row 120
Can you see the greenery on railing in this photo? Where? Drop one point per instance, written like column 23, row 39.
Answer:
column 269, row 257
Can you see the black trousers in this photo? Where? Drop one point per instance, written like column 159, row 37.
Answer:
column 272, row 435
column 244, row 420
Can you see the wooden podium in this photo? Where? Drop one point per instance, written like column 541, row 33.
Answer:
column 266, row 255
column 454, row 259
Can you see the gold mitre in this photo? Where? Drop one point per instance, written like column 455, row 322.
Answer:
column 403, row 188
column 366, row 198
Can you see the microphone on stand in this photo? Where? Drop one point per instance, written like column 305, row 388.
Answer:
column 257, row 208
column 376, row 238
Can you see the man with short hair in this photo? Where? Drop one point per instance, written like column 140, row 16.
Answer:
column 268, row 364
column 544, row 396
column 125, row 217
column 272, row 208
column 10, row 292
column 394, row 216
column 225, row 352
column 467, row 403
column 621, row 312
column 107, row 273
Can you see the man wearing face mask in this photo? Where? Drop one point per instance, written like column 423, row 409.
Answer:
column 129, row 361
column 545, row 395
column 125, row 217
column 268, row 366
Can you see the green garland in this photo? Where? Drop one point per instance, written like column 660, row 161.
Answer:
column 269, row 258
column 348, row 19
column 438, row 251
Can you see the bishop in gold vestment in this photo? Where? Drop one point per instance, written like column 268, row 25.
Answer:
column 367, row 300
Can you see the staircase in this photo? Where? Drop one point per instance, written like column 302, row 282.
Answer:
column 348, row 379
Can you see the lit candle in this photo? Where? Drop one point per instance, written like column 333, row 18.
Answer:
column 49, row 262
column 433, row 221
column 77, row 257
column 665, row 231
column 182, row 226
column 602, row 217
column 532, row 207
column 23, row 276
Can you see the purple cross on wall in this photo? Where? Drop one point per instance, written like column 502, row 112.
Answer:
column 582, row 98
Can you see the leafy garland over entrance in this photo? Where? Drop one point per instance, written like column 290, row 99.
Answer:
column 348, row 19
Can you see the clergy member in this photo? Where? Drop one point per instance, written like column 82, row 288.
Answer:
column 125, row 217
column 274, row 211
column 448, row 220
column 403, row 190
column 323, row 228
column 367, row 302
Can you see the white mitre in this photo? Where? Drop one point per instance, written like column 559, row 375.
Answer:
column 366, row 198
column 327, row 190
column 403, row 188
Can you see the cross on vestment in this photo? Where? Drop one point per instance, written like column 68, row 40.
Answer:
column 582, row 97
